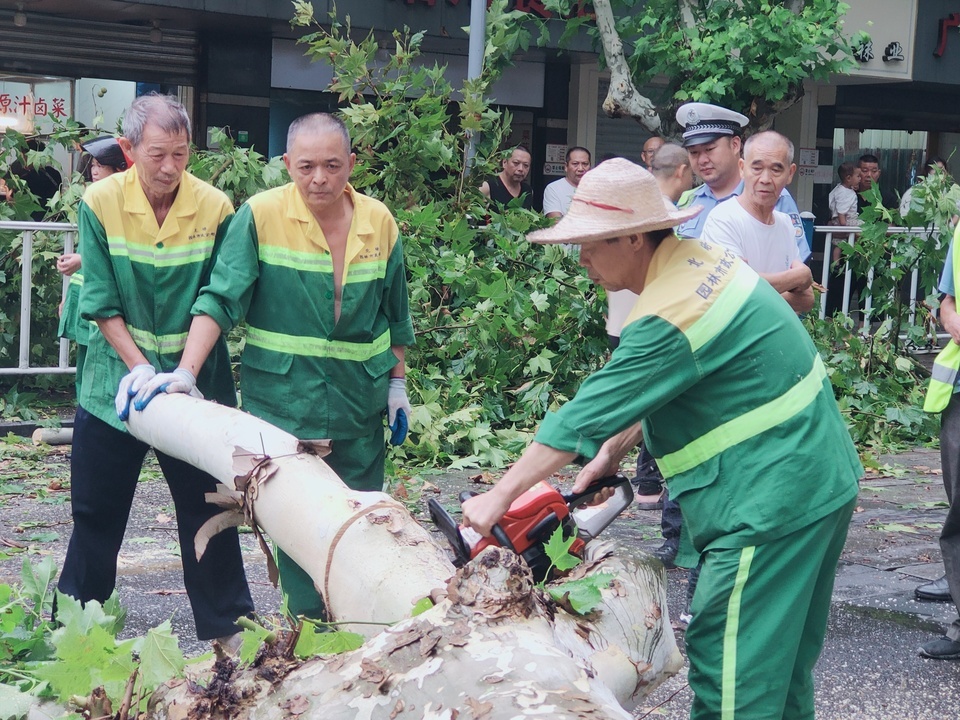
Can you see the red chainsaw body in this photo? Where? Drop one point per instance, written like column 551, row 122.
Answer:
column 525, row 513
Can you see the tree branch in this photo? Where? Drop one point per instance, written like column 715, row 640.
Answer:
column 623, row 98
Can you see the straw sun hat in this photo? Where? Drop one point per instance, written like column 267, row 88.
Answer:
column 614, row 199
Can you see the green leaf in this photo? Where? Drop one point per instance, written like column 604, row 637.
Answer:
column 894, row 527
column 421, row 607
column 557, row 548
column 14, row 704
column 581, row 595
column 160, row 657
column 313, row 642
column 36, row 581
column 253, row 637
column 88, row 658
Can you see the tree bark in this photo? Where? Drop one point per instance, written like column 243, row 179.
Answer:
column 492, row 647
column 623, row 98
column 371, row 562
column 495, row 648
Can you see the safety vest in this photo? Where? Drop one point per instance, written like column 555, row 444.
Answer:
column 943, row 377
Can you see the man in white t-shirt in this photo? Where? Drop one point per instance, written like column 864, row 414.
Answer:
column 558, row 194
column 750, row 227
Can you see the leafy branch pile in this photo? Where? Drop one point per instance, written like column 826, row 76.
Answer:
column 879, row 384
column 504, row 329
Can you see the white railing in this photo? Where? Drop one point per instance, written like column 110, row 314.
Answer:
column 29, row 229
column 833, row 234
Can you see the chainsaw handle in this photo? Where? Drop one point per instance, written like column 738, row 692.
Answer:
column 499, row 534
column 596, row 486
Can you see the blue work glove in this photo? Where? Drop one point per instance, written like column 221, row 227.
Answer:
column 130, row 385
column 178, row 381
column 398, row 410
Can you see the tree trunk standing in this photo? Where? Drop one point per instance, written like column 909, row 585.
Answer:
column 494, row 647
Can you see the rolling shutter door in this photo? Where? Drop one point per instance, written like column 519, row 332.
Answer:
column 49, row 45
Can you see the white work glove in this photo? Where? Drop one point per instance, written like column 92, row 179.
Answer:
column 178, row 381
column 398, row 410
column 130, row 385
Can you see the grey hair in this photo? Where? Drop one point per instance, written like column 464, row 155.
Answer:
column 771, row 133
column 668, row 158
column 163, row 111
column 318, row 122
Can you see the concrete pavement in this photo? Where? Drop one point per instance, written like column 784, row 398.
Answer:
column 869, row 670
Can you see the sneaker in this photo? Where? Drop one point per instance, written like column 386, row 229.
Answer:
column 652, row 501
column 942, row 648
column 684, row 619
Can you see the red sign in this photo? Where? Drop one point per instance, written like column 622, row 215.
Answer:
column 24, row 104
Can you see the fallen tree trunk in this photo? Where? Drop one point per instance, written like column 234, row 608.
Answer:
column 494, row 646
column 488, row 651
column 369, row 560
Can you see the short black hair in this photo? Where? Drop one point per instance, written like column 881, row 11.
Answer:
column 846, row 169
column 868, row 158
column 570, row 151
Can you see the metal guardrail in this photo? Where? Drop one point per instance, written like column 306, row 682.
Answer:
column 29, row 229
column 833, row 234
column 830, row 233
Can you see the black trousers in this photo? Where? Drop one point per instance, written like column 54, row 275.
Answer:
column 950, row 535
column 104, row 469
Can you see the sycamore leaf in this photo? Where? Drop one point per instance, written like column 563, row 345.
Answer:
column 160, row 657
column 252, row 638
column 87, row 658
column 13, row 703
column 36, row 579
column 581, row 595
column 894, row 527
column 82, row 618
column 557, row 550
column 312, row 642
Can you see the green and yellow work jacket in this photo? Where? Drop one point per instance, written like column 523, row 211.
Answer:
column 943, row 377
column 736, row 404
column 150, row 276
column 301, row 370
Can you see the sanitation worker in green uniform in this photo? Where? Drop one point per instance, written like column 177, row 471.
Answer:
column 316, row 268
column 717, row 374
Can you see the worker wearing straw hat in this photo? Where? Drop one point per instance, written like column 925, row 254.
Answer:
column 716, row 373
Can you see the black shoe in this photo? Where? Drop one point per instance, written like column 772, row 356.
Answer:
column 937, row 590
column 941, row 649
column 667, row 554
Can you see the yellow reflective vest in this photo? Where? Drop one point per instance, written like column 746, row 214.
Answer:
column 943, row 378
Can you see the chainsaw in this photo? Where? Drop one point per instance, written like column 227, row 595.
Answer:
column 533, row 517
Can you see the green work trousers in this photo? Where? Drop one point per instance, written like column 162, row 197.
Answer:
column 759, row 620
column 359, row 463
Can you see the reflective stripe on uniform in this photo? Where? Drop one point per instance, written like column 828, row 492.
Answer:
column 76, row 279
column 746, row 426
column 943, row 378
column 159, row 257
column 357, row 271
column 317, row 347
column 163, row 344
column 728, row 676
